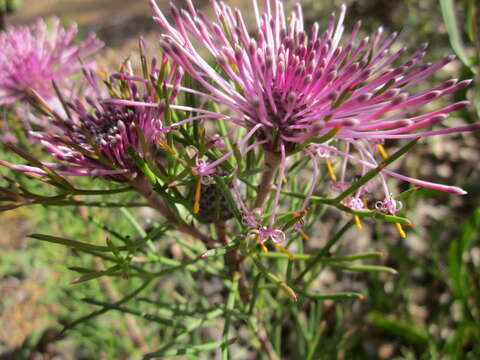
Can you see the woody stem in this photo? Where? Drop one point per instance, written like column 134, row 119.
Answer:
column 2, row 20
column 272, row 162
column 143, row 187
column 234, row 261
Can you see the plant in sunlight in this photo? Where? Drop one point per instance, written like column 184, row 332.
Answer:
column 239, row 143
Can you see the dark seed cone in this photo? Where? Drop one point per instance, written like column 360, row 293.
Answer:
column 213, row 205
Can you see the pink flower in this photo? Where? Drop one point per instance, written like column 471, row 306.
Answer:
column 95, row 136
column 31, row 57
column 288, row 87
column 301, row 85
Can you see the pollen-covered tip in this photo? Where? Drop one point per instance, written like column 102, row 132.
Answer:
column 432, row 95
column 399, row 99
column 437, row 118
column 464, row 83
column 364, row 97
column 448, row 58
column 456, row 190
column 291, row 97
column 458, row 106
column 348, row 122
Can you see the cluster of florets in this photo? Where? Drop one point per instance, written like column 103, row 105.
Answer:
column 97, row 135
column 34, row 56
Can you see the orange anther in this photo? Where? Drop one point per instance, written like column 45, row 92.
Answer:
column 382, row 151
column 400, row 230
column 198, row 188
column 285, row 251
column 330, row 170
column 358, row 222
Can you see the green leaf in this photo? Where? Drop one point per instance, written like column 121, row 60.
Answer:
column 366, row 268
column 94, row 314
column 221, row 250
column 450, row 19
column 323, row 251
column 190, row 350
column 71, row 243
column 151, row 317
column 56, row 179
column 395, row 327
column 456, row 265
column 471, row 20
column 95, row 275
column 333, row 296
column 228, row 319
column 142, row 165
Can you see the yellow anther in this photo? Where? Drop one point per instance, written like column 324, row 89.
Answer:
column 358, row 222
column 167, row 147
column 198, row 188
column 102, row 73
column 262, row 245
column 365, row 202
column 284, row 179
column 330, row 170
column 400, row 230
column 285, row 251
column 382, row 150
column 303, row 235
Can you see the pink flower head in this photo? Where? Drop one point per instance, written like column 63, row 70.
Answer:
column 96, row 136
column 32, row 56
column 203, row 168
column 389, row 205
column 299, row 84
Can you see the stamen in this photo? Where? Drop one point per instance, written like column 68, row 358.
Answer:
column 365, row 202
column 382, row 150
column 102, row 73
column 358, row 222
column 330, row 170
column 167, row 147
column 303, row 235
column 285, row 251
column 400, row 230
column 262, row 245
column 198, row 188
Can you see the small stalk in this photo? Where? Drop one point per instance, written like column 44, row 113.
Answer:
column 2, row 21
column 234, row 261
column 265, row 343
column 143, row 187
column 272, row 162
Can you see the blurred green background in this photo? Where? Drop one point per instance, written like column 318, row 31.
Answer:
column 430, row 310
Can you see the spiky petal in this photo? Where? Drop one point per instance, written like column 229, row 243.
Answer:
column 96, row 137
column 300, row 85
column 32, row 56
